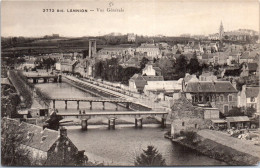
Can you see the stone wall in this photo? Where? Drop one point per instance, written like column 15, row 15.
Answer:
column 185, row 116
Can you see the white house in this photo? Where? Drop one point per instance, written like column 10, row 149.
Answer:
column 150, row 50
column 149, row 70
column 158, row 89
column 249, row 97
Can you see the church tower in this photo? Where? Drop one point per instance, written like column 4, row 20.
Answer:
column 221, row 31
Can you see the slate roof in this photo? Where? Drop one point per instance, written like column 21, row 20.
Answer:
column 34, row 136
column 252, row 91
column 212, row 87
column 38, row 138
column 252, row 66
column 153, row 78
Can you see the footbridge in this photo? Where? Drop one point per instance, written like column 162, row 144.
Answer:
column 91, row 100
column 112, row 116
column 45, row 77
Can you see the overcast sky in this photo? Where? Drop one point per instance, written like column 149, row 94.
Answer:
column 150, row 17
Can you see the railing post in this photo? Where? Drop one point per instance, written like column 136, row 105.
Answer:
column 108, row 123
column 163, row 124
column 77, row 105
column 53, row 102
column 66, row 105
column 103, row 105
column 90, row 105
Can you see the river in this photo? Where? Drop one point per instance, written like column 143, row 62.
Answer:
column 122, row 145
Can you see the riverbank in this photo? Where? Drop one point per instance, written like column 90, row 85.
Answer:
column 222, row 147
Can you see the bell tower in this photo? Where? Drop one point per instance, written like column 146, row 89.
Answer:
column 221, row 31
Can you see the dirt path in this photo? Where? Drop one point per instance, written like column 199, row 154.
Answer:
column 244, row 146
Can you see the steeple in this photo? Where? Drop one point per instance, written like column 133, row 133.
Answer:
column 221, row 31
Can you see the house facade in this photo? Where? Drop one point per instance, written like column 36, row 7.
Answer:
column 249, row 97
column 149, row 50
column 219, row 94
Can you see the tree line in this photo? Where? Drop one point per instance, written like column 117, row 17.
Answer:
column 171, row 69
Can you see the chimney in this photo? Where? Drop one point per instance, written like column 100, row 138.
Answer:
column 63, row 132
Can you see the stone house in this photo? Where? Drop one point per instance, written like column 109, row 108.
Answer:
column 187, row 117
column 45, row 146
column 219, row 94
column 68, row 66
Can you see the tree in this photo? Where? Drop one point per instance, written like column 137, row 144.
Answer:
column 250, row 111
column 194, row 64
column 181, row 66
column 12, row 153
column 143, row 62
column 150, row 157
column 235, row 111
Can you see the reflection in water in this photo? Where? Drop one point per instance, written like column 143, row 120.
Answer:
column 122, row 145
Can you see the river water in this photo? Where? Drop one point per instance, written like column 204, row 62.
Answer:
column 122, row 145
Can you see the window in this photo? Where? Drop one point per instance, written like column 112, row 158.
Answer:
column 207, row 98
column 200, row 98
column 252, row 99
column 230, row 98
column 183, row 123
column 195, row 125
column 221, row 98
column 225, row 108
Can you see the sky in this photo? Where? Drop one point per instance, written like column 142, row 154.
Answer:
column 142, row 17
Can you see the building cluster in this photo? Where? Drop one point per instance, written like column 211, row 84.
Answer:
column 241, row 35
column 44, row 147
column 216, row 89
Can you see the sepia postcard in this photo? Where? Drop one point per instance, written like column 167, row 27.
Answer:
column 130, row 83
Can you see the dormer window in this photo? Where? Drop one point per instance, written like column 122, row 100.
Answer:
column 230, row 98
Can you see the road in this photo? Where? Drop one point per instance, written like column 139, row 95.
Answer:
column 244, row 146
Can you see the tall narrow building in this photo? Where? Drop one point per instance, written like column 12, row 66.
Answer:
column 221, row 31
